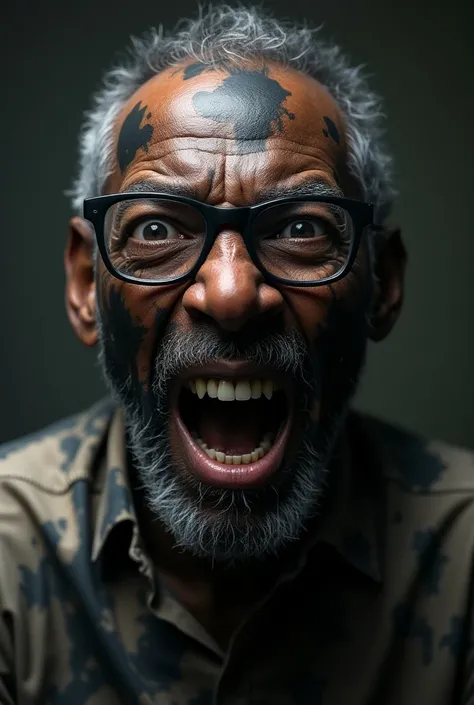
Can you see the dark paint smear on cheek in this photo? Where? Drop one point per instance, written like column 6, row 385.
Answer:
column 161, row 318
column 132, row 137
column 122, row 341
column 250, row 100
column 123, row 338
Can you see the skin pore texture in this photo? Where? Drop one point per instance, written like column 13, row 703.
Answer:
column 230, row 137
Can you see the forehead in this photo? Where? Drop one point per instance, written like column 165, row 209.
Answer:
column 267, row 121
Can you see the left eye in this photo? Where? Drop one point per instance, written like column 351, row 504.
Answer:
column 303, row 228
column 155, row 230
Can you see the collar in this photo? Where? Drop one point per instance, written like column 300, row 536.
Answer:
column 355, row 521
column 351, row 519
column 352, row 514
column 114, row 504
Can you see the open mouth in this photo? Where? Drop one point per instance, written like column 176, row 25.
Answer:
column 233, row 429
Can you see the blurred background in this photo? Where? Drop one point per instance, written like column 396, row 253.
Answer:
column 420, row 57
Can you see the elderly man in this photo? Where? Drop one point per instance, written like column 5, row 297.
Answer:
column 225, row 531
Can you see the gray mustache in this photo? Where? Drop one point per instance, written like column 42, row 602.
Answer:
column 285, row 352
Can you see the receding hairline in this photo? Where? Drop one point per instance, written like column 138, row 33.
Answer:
column 275, row 69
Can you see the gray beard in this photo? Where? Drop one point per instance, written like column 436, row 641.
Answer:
column 222, row 525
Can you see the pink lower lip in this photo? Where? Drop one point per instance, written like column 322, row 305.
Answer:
column 231, row 476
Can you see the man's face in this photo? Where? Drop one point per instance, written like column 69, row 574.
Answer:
column 237, row 475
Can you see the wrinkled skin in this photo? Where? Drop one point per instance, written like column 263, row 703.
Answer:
column 229, row 151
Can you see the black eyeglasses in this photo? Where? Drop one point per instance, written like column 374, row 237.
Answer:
column 153, row 238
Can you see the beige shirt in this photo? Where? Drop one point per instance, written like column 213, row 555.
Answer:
column 378, row 610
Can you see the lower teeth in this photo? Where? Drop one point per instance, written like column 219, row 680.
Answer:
column 245, row 459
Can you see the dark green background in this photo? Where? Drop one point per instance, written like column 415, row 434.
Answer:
column 421, row 59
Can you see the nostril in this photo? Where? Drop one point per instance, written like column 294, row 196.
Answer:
column 226, row 301
column 230, row 290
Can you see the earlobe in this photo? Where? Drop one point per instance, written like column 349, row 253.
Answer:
column 80, row 285
column 389, row 270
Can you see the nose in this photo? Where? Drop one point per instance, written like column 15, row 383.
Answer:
column 229, row 289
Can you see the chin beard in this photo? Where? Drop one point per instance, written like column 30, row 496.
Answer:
column 236, row 526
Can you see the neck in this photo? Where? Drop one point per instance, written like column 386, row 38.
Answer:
column 220, row 596
column 186, row 567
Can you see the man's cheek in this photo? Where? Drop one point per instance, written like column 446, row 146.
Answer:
column 323, row 310
column 135, row 320
column 332, row 320
column 159, row 313
column 308, row 310
column 148, row 349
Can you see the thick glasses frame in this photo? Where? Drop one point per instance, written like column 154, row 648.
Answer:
column 237, row 219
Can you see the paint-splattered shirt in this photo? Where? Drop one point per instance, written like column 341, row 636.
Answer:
column 377, row 610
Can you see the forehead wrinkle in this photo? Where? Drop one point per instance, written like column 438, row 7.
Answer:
column 178, row 127
column 239, row 179
column 226, row 146
column 236, row 165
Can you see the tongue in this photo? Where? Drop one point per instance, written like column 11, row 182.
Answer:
column 235, row 428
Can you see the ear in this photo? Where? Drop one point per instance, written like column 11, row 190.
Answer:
column 80, row 285
column 389, row 269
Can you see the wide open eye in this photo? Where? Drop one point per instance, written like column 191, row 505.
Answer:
column 153, row 229
column 303, row 228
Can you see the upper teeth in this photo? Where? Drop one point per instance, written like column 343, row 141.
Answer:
column 226, row 390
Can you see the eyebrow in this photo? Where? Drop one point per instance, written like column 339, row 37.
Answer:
column 150, row 186
column 314, row 187
column 153, row 187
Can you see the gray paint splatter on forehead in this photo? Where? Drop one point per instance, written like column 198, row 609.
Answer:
column 249, row 99
column 133, row 136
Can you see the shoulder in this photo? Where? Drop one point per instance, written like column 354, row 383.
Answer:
column 54, row 457
column 43, row 479
column 418, row 464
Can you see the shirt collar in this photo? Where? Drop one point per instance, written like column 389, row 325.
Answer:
column 351, row 520
column 357, row 522
column 352, row 514
column 114, row 504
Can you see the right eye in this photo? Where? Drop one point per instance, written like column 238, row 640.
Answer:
column 153, row 229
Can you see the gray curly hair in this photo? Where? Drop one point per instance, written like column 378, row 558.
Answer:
column 227, row 35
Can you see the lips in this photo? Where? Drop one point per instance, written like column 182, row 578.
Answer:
column 231, row 423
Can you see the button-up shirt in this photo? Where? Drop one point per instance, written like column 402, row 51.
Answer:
column 376, row 610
